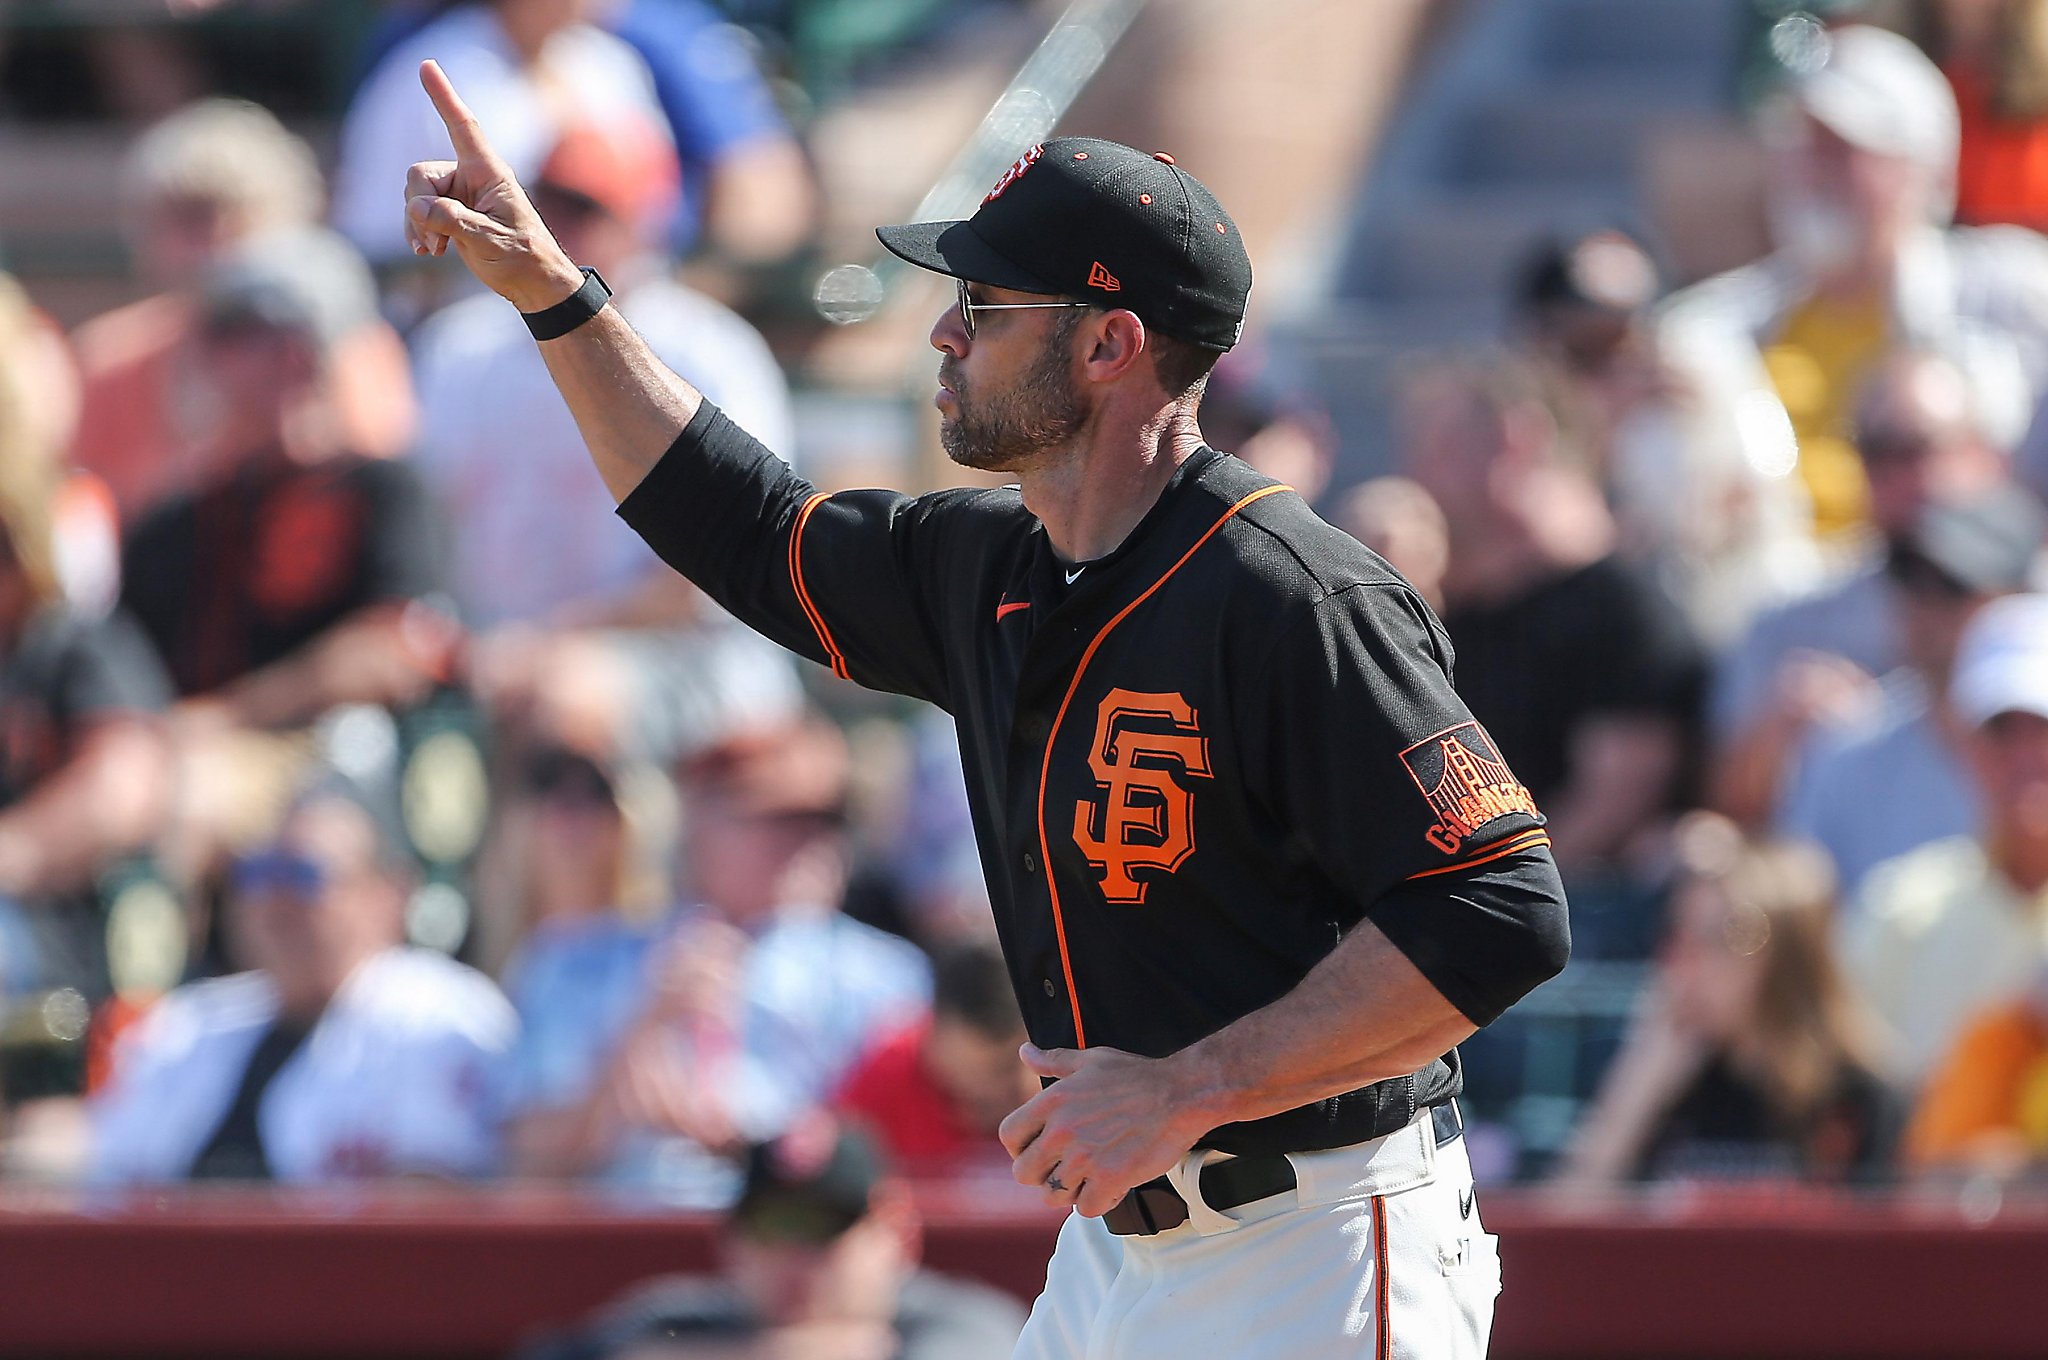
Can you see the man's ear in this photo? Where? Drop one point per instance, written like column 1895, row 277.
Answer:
column 1115, row 344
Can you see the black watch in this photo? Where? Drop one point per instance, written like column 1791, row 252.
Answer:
column 572, row 311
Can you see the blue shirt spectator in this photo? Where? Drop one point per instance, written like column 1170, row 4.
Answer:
column 705, row 78
column 710, row 88
column 1927, row 793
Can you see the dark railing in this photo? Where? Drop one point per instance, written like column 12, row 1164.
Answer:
column 433, row 1272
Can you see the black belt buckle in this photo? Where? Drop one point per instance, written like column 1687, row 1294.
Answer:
column 1151, row 1208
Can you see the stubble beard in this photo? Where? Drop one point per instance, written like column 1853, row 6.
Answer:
column 1042, row 412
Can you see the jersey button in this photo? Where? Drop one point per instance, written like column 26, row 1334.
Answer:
column 1050, row 988
column 1030, row 863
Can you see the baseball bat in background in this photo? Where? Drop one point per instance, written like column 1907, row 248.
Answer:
column 1043, row 89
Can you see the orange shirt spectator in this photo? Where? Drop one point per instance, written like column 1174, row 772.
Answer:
column 200, row 187
column 2002, row 172
column 1995, row 55
column 135, row 362
column 1987, row 1105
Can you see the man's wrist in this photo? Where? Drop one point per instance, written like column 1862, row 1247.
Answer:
column 556, row 281
column 1203, row 1087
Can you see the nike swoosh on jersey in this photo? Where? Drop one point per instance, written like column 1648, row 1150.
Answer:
column 1010, row 607
column 1075, row 575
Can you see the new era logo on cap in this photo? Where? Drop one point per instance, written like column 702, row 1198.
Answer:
column 1066, row 206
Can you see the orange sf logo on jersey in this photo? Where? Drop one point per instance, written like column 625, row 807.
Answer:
column 1144, row 745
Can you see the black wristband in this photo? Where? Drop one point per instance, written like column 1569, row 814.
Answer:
column 550, row 323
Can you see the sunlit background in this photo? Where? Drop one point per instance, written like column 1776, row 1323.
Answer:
column 428, row 927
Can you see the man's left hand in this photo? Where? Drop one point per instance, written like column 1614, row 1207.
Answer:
column 1111, row 1121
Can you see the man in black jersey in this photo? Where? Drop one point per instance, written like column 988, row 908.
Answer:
column 1256, row 869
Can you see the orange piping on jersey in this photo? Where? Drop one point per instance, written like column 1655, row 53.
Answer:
column 1526, row 840
column 1382, row 1287
column 803, row 596
column 1059, row 925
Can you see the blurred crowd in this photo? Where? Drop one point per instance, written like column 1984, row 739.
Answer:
column 373, row 803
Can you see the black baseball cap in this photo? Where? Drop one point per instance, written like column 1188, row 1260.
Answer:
column 810, row 1185
column 1085, row 218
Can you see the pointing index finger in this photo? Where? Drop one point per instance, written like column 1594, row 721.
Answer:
column 464, row 131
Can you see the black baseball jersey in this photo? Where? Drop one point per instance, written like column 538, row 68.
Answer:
column 1192, row 768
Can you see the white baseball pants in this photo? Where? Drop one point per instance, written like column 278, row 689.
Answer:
column 1376, row 1254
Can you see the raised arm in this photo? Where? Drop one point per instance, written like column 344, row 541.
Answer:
column 856, row 581
column 628, row 404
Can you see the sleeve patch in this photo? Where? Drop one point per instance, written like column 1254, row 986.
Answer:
column 1461, row 775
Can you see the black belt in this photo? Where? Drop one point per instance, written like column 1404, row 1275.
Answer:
column 1156, row 1206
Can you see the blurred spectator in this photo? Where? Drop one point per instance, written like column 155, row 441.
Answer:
column 1982, row 1110
column 1811, row 662
column 765, row 850
column 1702, row 500
column 198, row 186
column 1583, row 672
column 529, row 70
column 1955, row 926
column 922, row 850
column 1864, row 185
column 499, row 444
column 279, row 587
column 748, row 1007
column 1248, row 409
column 745, row 185
column 39, row 387
column 1958, row 556
column 594, row 642
column 84, row 772
column 1403, row 523
column 1749, row 1054
column 678, row 1091
column 935, row 1092
column 631, row 1058
column 341, row 1055
column 577, row 976
column 500, row 449
column 820, row 1261
column 1995, row 55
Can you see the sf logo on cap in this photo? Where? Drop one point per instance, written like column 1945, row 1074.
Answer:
column 1015, row 172
column 1146, row 821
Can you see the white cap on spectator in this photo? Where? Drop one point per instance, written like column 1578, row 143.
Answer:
column 1878, row 91
column 2002, row 664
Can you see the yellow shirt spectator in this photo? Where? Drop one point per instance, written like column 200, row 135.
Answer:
column 1817, row 365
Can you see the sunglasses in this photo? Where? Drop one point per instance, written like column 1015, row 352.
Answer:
column 279, row 872
column 555, row 200
column 968, row 307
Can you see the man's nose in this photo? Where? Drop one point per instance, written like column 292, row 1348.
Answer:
column 949, row 334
